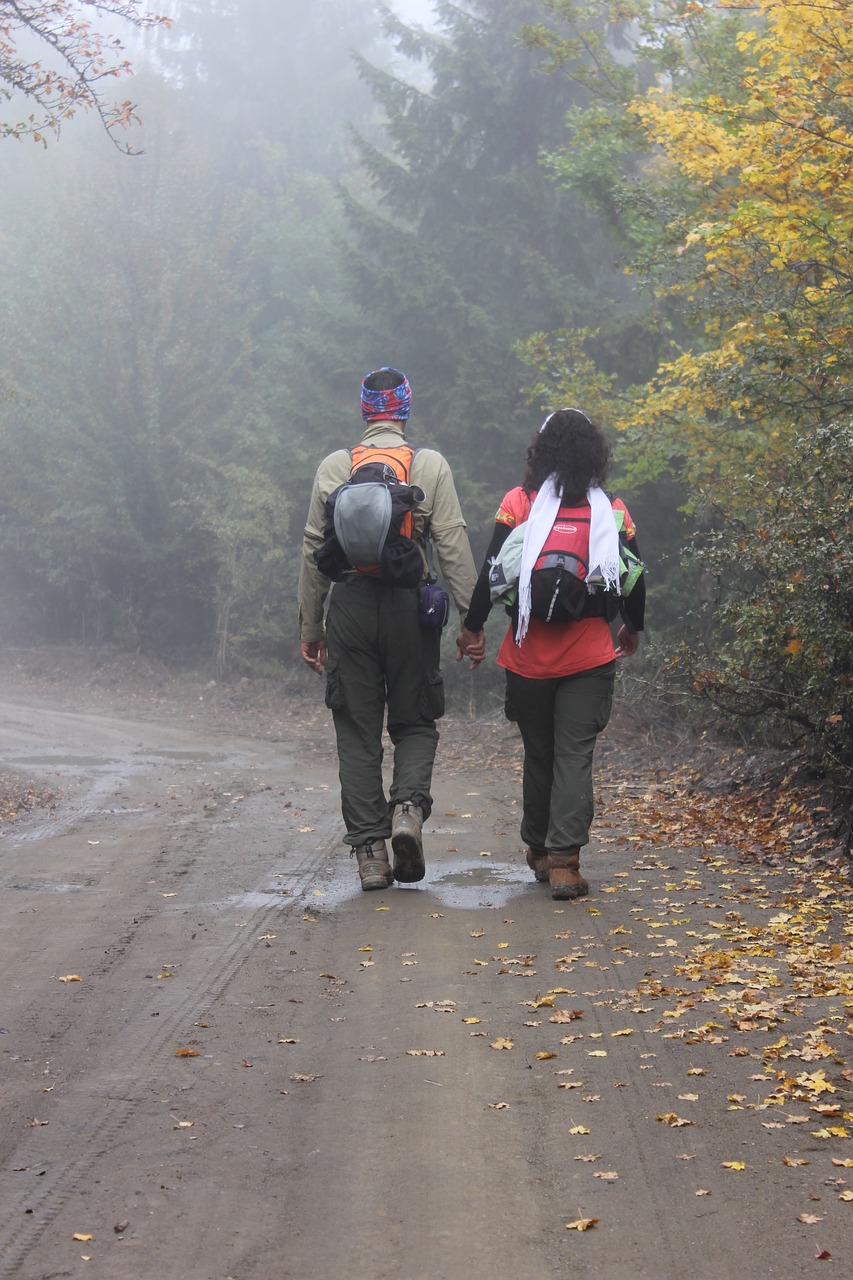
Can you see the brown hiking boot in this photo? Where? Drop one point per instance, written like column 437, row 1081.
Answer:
column 537, row 861
column 564, row 875
column 407, row 844
column 374, row 868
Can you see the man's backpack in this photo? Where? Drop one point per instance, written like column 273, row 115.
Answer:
column 560, row 590
column 369, row 520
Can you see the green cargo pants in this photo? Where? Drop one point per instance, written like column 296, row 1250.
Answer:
column 559, row 720
column 380, row 656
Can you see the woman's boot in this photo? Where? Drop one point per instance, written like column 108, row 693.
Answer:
column 564, row 876
column 537, row 861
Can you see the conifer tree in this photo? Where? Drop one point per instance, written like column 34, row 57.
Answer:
column 463, row 244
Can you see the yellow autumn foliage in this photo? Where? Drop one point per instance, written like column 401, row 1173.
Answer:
column 769, row 248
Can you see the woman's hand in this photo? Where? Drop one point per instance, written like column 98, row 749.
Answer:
column 627, row 643
column 471, row 644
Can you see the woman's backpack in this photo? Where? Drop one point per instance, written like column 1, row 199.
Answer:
column 560, row 589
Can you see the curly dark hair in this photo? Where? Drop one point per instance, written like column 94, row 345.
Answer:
column 572, row 447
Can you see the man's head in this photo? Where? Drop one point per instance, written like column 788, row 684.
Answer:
column 385, row 395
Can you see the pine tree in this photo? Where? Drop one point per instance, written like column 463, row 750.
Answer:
column 467, row 245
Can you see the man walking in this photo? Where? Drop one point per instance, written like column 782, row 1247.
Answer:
column 375, row 653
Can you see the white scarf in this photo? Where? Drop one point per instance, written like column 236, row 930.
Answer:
column 603, row 544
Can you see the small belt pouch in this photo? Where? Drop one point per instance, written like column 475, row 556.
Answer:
column 433, row 606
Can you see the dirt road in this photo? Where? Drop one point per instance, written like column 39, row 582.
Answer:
column 220, row 1059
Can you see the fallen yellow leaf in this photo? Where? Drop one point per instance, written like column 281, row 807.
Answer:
column 82, row 1235
column 733, row 1164
column 582, row 1224
column 187, row 1053
column 71, row 977
column 502, row 1042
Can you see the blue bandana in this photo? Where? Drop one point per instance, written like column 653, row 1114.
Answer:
column 378, row 406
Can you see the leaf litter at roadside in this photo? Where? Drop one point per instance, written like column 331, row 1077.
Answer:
column 20, row 796
column 747, row 938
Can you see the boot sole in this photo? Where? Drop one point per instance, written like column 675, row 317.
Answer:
column 376, row 882
column 564, row 892
column 409, row 865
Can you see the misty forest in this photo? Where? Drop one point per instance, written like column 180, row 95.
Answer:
column 640, row 208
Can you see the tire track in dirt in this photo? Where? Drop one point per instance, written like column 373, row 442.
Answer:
column 109, row 1063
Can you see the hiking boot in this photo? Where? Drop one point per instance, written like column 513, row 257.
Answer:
column 407, row 844
column 374, row 868
column 564, row 876
column 537, row 861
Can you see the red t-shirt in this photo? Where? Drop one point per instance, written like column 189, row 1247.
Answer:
column 553, row 649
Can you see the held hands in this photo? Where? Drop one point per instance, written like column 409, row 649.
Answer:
column 471, row 644
column 627, row 643
column 314, row 653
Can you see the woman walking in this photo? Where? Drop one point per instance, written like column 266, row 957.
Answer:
column 560, row 675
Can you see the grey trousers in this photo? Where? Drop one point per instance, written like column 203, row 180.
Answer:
column 560, row 720
column 381, row 658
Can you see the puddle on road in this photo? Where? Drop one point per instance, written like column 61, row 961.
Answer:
column 469, row 885
column 464, row 884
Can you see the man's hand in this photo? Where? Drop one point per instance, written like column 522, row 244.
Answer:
column 315, row 654
column 627, row 643
column 471, row 644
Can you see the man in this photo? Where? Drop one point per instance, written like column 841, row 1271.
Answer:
column 375, row 653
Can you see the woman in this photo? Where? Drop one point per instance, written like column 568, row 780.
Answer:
column 560, row 675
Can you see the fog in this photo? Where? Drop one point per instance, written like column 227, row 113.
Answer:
column 183, row 332
column 420, row 11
